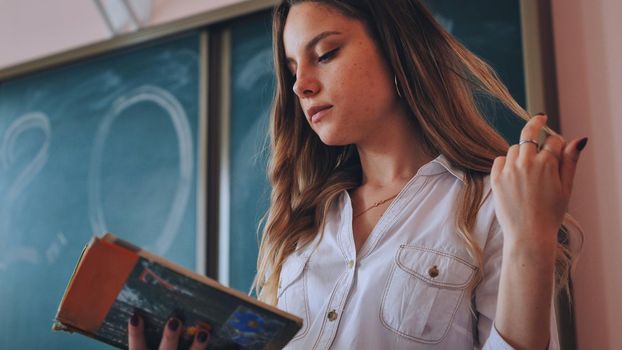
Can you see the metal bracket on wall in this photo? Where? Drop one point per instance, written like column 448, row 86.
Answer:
column 123, row 16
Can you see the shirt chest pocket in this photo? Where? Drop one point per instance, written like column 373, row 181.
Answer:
column 423, row 292
column 292, row 293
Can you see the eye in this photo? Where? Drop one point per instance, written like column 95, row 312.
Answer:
column 327, row 56
column 292, row 73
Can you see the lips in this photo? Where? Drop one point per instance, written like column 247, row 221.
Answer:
column 314, row 112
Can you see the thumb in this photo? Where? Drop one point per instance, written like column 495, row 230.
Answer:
column 570, row 157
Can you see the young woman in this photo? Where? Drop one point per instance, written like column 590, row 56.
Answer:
column 399, row 218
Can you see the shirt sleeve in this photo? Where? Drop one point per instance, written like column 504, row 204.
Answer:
column 486, row 295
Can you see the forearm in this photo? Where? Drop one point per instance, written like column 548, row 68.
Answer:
column 525, row 294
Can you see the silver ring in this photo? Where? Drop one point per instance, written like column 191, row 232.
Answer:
column 529, row 141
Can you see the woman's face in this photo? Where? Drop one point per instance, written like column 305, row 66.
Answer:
column 344, row 85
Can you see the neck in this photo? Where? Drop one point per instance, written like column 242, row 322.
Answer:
column 393, row 154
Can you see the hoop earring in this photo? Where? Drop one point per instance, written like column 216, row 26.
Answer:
column 397, row 88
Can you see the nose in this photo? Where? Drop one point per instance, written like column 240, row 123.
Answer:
column 306, row 86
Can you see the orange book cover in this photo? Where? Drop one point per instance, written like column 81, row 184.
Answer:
column 113, row 279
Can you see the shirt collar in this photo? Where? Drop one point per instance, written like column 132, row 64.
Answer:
column 440, row 165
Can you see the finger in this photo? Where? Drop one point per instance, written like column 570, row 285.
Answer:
column 201, row 339
column 570, row 157
column 512, row 156
column 136, row 335
column 531, row 131
column 551, row 151
column 497, row 167
column 170, row 338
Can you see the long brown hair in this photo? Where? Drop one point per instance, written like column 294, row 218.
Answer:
column 438, row 79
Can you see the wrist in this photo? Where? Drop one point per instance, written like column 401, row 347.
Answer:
column 531, row 240
column 527, row 254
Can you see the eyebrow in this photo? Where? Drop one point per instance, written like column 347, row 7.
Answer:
column 314, row 42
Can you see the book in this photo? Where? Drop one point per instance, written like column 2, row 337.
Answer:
column 113, row 279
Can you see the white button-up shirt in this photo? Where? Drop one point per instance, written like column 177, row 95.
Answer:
column 408, row 286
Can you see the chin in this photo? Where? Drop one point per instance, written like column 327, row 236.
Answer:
column 334, row 140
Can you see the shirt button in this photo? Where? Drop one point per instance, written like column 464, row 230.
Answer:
column 332, row 315
column 351, row 263
column 433, row 271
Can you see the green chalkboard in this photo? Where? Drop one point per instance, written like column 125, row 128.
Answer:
column 252, row 86
column 105, row 144
column 490, row 28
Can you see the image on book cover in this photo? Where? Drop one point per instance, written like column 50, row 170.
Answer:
column 158, row 293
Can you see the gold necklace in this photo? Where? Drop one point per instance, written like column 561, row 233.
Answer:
column 377, row 204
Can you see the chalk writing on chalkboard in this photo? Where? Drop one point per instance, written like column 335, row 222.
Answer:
column 8, row 158
column 255, row 70
column 446, row 22
column 175, row 111
column 39, row 121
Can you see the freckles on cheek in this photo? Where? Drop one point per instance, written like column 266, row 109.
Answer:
column 352, row 79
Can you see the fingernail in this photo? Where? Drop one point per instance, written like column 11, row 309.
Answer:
column 202, row 337
column 135, row 320
column 173, row 324
column 581, row 145
column 541, row 113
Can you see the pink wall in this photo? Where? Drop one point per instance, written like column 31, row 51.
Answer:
column 30, row 29
column 589, row 68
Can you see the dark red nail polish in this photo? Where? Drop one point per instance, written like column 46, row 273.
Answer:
column 540, row 113
column 135, row 320
column 581, row 145
column 173, row 324
column 202, row 337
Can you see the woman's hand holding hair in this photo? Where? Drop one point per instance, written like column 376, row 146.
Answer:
column 531, row 190
column 170, row 336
